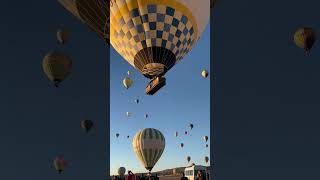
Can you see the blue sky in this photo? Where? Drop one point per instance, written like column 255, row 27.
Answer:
column 185, row 99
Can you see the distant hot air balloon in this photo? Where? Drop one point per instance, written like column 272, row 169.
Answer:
column 185, row 132
column 204, row 73
column 188, row 158
column 129, row 73
column 206, row 159
column 153, row 36
column 191, row 126
column 127, row 82
column 121, row 171
column 207, row 145
column 117, row 135
column 176, row 134
column 146, row 116
column 62, row 36
column 128, row 136
column 136, row 100
column 205, row 138
column 129, row 114
column 148, row 144
column 181, row 145
column 93, row 13
column 59, row 163
column 305, row 38
column 86, row 125
column 56, row 66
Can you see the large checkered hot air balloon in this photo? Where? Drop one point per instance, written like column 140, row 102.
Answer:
column 148, row 145
column 154, row 35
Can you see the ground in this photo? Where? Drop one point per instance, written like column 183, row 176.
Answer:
column 170, row 177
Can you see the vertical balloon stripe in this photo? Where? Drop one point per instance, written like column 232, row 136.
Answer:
column 157, row 134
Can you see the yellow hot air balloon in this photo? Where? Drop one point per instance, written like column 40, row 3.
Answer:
column 62, row 36
column 94, row 13
column 56, row 66
column 204, row 73
column 59, row 164
column 305, row 38
column 154, row 35
column 127, row 82
column 148, row 145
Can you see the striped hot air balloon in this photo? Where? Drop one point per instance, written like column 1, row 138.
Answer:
column 155, row 35
column 94, row 13
column 148, row 145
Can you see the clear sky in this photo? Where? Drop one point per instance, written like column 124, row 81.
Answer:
column 185, row 99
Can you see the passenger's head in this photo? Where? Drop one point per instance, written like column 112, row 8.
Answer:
column 182, row 174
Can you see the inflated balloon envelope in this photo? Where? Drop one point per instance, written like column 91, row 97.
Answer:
column 155, row 35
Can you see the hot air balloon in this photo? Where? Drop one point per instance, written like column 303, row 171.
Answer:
column 62, row 36
column 188, row 158
column 181, row 145
column 207, row 145
column 206, row 159
column 148, row 144
column 305, row 38
column 117, row 135
column 129, row 73
column 204, row 73
column 86, row 125
column 136, row 100
column 154, row 35
column 185, row 132
column 146, row 116
column 205, row 138
column 129, row 114
column 93, row 13
column 191, row 126
column 127, row 82
column 121, row 171
column 56, row 66
column 128, row 136
column 176, row 134
column 59, row 163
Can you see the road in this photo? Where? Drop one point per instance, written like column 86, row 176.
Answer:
column 170, row 177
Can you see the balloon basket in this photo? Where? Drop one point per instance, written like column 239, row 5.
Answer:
column 155, row 85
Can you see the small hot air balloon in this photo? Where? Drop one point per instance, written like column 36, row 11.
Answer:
column 56, row 66
column 146, row 116
column 127, row 82
column 188, row 158
column 204, row 73
column 86, row 125
column 148, row 145
column 205, row 138
column 207, row 145
column 117, row 135
column 206, row 159
column 191, row 126
column 59, row 163
column 129, row 73
column 121, row 171
column 305, row 38
column 62, row 36
column 129, row 114
column 185, row 132
column 181, row 145
column 136, row 100
column 128, row 137
column 176, row 134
